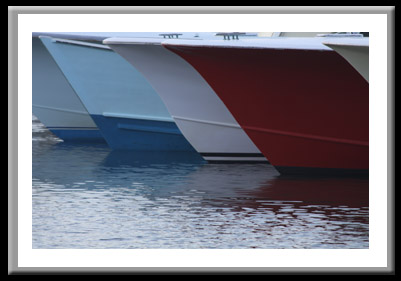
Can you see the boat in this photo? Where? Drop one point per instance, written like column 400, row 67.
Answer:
column 198, row 112
column 55, row 103
column 124, row 106
column 302, row 104
column 354, row 50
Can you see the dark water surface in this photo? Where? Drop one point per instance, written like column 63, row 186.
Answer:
column 85, row 196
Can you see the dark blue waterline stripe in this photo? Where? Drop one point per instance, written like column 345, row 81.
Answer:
column 81, row 135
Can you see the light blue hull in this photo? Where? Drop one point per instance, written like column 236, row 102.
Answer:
column 126, row 109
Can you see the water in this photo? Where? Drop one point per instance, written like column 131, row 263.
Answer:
column 85, row 196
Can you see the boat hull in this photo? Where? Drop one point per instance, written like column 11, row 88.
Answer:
column 55, row 103
column 199, row 113
column 307, row 110
column 117, row 97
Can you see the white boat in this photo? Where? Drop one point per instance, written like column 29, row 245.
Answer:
column 198, row 112
column 354, row 50
column 55, row 103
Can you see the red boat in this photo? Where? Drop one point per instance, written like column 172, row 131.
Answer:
column 302, row 104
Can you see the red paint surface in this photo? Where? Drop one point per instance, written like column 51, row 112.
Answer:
column 301, row 108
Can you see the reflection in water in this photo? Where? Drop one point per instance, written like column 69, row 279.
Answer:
column 87, row 196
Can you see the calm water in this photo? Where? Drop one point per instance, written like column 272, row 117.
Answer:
column 86, row 196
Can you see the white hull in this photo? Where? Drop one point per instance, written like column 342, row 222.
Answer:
column 354, row 50
column 57, row 117
column 198, row 112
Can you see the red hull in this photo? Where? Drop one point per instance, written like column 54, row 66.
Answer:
column 302, row 108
